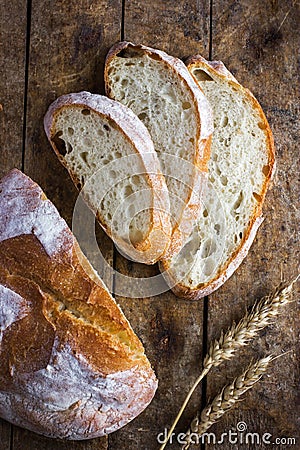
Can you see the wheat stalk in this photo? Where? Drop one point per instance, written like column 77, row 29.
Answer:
column 226, row 399
column 238, row 335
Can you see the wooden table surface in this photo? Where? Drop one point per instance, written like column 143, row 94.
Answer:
column 51, row 47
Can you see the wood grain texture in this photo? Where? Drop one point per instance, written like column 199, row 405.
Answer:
column 25, row 440
column 180, row 28
column 12, row 83
column 258, row 43
column 171, row 331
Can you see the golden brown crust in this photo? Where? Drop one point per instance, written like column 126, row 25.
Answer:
column 202, row 142
column 60, row 330
column 156, row 242
column 217, row 70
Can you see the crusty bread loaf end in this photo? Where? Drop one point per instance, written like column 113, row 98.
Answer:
column 71, row 366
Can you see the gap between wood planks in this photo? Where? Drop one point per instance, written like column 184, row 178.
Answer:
column 206, row 299
column 27, row 51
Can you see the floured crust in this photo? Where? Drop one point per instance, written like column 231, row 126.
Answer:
column 71, row 366
column 202, row 143
column 218, row 70
column 157, row 241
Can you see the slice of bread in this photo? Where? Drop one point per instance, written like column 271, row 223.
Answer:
column 71, row 365
column 241, row 165
column 164, row 95
column 110, row 156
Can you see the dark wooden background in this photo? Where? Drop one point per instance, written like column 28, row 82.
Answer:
column 51, row 47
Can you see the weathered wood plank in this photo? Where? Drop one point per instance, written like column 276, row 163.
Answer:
column 171, row 329
column 12, row 88
column 171, row 332
column 12, row 82
column 24, row 439
column 180, row 28
column 258, row 42
column 68, row 42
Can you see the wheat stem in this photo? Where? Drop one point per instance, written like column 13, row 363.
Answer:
column 262, row 313
column 187, row 398
column 226, row 399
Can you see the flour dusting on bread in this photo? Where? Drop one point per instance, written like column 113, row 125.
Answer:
column 71, row 365
column 13, row 307
column 35, row 214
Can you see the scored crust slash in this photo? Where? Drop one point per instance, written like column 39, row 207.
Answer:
column 71, row 365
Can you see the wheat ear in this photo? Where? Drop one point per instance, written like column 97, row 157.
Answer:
column 262, row 314
column 225, row 400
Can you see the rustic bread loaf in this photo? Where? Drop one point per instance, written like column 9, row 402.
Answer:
column 109, row 153
column 163, row 94
column 240, row 169
column 70, row 365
